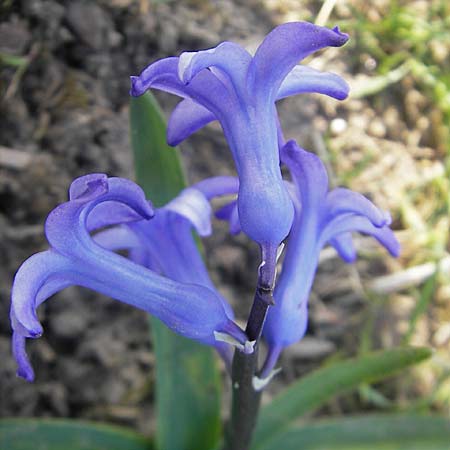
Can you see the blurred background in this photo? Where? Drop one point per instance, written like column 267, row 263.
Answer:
column 64, row 80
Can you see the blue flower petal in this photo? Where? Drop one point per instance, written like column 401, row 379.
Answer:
column 309, row 175
column 343, row 244
column 187, row 118
column 303, row 79
column 281, row 51
column 341, row 201
column 229, row 213
column 353, row 222
column 218, row 186
column 205, row 88
column 124, row 238
column 66, row 226
column 193, row 206
column 231, row 59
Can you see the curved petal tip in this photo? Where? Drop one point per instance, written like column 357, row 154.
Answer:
column 137, row 87
column 85, row 186
column 26, row 373
column 344, row 36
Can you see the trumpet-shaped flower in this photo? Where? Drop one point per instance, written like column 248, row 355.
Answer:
column 75, row 258
column 321, row 217
column 166, row 243
column 227, row 84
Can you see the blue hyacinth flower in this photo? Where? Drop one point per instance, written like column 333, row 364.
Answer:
column 166, row 244
column 321, row 217
column 77, row 258
column 227, row 84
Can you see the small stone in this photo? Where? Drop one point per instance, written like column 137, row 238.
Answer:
column 311, row 348
column 14, row 38
column 90, row 23
column 377, row 128
column 338, row 126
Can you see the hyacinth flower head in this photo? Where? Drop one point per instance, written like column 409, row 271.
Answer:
column 76, row 258
column 227, row 84
column 321, row 217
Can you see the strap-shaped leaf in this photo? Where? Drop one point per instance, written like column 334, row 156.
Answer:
column 187, row 379
column 372, row 432
column 55, row 434
column 323, row 384
column 157, row 165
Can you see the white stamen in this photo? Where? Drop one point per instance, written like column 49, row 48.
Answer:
column 260, row 267
column 249, row 347
column 280, row 251
column 246, row 348
column 260, row 383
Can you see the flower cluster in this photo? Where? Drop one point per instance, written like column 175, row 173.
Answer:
column 164, row 273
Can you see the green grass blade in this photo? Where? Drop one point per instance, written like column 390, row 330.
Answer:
column 55, row 434
column 320, row 386
column 187, row 378
column 372, row 432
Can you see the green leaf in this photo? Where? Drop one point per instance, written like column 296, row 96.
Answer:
column 372, row 432
column 323, row 384
column 187, row 378
column 157, row 165
column 55, row 434
column 12, row 60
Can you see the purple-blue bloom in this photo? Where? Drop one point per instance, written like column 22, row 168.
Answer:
column 321, row 217
column 166, row 243
column 186, row 306
column 229, row 85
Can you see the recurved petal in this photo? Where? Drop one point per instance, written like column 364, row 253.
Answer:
column 228, row 57
column 192, row 204
column 24, row 367
column 303, row 79
column 206, row 89
column 191, row 310
column 343, row 244
column 88, row 187
column 162, row 74
column 218, row 186
column 229, row 213
column 52, row 284
column 110, row 213
column 37, row 278
column 351, row 222
column 67, row 225
column 282, row 49
column 187, row 118
column 124, row 238
column 344, row 201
